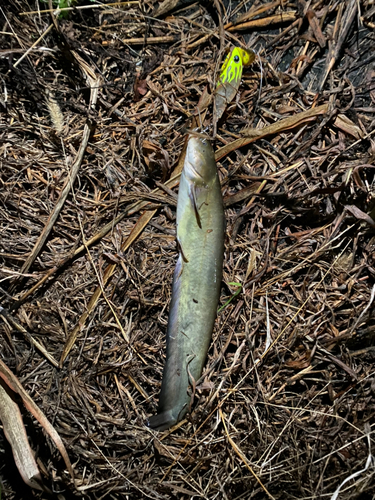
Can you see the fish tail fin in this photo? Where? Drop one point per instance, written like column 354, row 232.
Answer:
column 162, row 421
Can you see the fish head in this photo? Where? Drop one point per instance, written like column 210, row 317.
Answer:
column 200, row 165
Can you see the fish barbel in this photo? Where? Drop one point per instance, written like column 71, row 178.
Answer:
column 196, row 282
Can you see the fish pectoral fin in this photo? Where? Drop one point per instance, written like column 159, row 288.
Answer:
column 181, row 250
column 193, row 199
column 192, row 382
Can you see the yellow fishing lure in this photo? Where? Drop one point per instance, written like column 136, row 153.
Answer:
column 231, row 71
column 230, row 77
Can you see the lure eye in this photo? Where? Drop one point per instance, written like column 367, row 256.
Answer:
column 236, row 58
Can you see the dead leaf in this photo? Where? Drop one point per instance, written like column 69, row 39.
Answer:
column 284, row 109
column 314, row 23
column 205, row 386
column 358, row 214
column 254, row 12
column 15, row 433
column 241, row 195
column 15, row 385
column 164, row 7
column 300, row 363
column 140, row 88
column 266, row 21
column 299, row 59
column 253, row 134
column 346, row 125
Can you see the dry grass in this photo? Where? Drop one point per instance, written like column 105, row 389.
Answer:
column 289, row 420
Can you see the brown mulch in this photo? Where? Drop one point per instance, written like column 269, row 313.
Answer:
column 285, row 407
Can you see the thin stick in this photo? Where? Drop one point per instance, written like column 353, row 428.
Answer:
column 33, row 45
column 97, row 6
column 8, row 318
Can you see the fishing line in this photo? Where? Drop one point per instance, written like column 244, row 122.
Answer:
column 260, row 81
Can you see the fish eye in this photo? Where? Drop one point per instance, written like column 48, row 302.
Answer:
column 236, row 58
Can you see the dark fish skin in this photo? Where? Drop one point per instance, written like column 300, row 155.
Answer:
column 196, row 282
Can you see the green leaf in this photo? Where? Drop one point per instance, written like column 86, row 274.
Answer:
column 61, row 4
column 239, row 285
